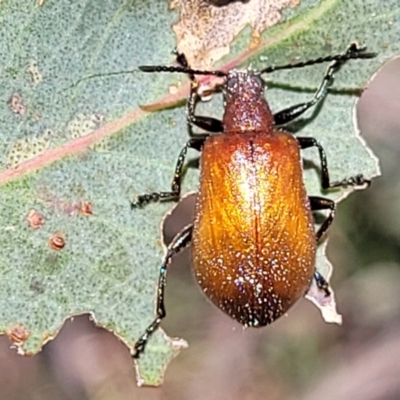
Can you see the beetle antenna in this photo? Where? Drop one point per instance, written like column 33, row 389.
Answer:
column 102, row 75
column 155, row 68
column 353, row 52
column 184, row 70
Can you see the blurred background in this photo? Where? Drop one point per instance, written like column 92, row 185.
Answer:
column 297, row 357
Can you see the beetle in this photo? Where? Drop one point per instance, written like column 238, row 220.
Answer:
column 253, row 240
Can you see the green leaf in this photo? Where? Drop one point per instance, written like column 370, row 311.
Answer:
column 67, row 147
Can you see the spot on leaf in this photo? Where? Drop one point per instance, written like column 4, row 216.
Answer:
column 16, row 104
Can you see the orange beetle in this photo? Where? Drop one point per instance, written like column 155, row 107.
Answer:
column 253, row 239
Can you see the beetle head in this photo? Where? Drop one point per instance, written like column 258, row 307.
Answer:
column 245, row 85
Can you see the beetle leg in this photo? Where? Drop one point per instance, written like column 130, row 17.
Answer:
column 180, row 241
column 322, row 284
column 143, row 199
column 357, row 180
column 289, row 114
column 209, row 124
column 320, row 203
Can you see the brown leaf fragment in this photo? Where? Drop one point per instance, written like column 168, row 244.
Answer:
column 205, row 31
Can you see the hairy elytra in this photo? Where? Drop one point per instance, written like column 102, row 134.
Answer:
column 253, row 239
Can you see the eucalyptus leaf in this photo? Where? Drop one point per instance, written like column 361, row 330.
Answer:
column 74, row 151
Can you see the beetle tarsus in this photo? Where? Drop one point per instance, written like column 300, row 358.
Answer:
column 322, row 284
column 140, row 345
column 357, row 180
column 144, row 199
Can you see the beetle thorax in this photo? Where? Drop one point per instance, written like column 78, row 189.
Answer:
column 245, row 106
